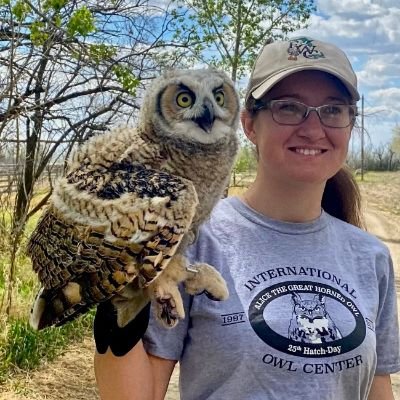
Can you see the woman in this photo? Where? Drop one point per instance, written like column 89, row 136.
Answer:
column 312, row 307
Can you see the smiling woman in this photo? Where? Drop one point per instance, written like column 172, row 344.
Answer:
column 299, row 148
column 312, row 306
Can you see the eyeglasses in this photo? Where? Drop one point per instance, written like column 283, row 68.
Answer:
column 289, row 112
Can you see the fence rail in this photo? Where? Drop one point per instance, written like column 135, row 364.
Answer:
column 11, row 174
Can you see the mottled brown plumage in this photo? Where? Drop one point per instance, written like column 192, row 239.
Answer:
column 131, row 201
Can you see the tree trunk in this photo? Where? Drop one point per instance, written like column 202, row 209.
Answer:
column 16, row 238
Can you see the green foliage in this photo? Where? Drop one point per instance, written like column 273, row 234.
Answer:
column 26, row 282
column 229, row 33
column 20, row 10
column 101, row 52
column 38, row 34
column 246, row 160
column 126, row 78
column 81, row 23
column 2, row 277
column 57, row 20
column 55, row 5
column 25, row 348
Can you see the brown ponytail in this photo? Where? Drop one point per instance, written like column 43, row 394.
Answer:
column 342, row 198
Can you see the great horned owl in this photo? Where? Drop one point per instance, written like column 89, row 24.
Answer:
column 132, row 200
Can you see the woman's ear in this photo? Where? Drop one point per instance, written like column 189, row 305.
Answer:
column 248, row 125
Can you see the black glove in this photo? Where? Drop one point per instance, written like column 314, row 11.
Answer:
column 107, row 333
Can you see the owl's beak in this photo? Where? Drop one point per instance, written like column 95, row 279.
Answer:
column 207, row 117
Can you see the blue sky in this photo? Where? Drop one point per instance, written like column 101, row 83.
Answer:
column 369, row 33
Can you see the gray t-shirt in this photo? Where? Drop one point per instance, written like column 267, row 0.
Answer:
column 311, row 312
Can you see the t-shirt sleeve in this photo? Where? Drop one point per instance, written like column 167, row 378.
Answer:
column 387, row 325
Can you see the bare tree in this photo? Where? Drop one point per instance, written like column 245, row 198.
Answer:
column 379, row 154
column 69, row 70
column 393, row 159
column 381, row 157
column 395, row 144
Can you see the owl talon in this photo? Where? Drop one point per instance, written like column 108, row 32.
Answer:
column 210, row 296
column 168, row 303
column 168, row 314
column 209, row 281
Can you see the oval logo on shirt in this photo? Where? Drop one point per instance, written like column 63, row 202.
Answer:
column 307, row 319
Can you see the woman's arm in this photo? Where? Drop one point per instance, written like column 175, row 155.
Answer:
column 381, row 388
column 134, row 376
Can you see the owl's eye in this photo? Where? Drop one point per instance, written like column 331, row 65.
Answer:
column 184, row 99
column 219, row 97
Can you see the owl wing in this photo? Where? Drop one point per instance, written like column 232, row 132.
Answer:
column 106, row 227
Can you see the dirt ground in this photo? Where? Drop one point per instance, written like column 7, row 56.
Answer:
column 72, row 377
column 384, row 226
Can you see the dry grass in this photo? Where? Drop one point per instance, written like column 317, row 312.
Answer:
column 71, row 376
column 381, row 190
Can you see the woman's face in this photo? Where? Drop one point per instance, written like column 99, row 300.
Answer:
column 305, row 153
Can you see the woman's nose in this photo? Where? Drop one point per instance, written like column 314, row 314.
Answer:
column 312, row 127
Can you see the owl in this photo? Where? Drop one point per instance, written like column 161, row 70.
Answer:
column 132, row 200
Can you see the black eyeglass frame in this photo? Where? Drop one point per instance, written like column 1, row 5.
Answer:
column 261, row 105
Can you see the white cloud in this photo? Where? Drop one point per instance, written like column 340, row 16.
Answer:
column 380, row 112
column 389, row 100
column 380, row 71
column 365, row 26
column 358, row 9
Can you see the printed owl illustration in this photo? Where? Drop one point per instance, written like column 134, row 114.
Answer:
column 132, row 200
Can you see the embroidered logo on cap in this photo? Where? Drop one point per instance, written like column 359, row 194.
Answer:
column 305, row 47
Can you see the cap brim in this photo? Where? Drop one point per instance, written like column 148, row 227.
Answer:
column 265, row 86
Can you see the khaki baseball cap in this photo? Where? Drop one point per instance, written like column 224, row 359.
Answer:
column 277, row 60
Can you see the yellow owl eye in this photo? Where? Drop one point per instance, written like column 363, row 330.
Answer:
column 219, row 97
column 184, row 99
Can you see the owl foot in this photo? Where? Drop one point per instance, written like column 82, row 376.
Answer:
column 128, row 303
column 167, row 302
column 203, row 278
column 167, row 312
